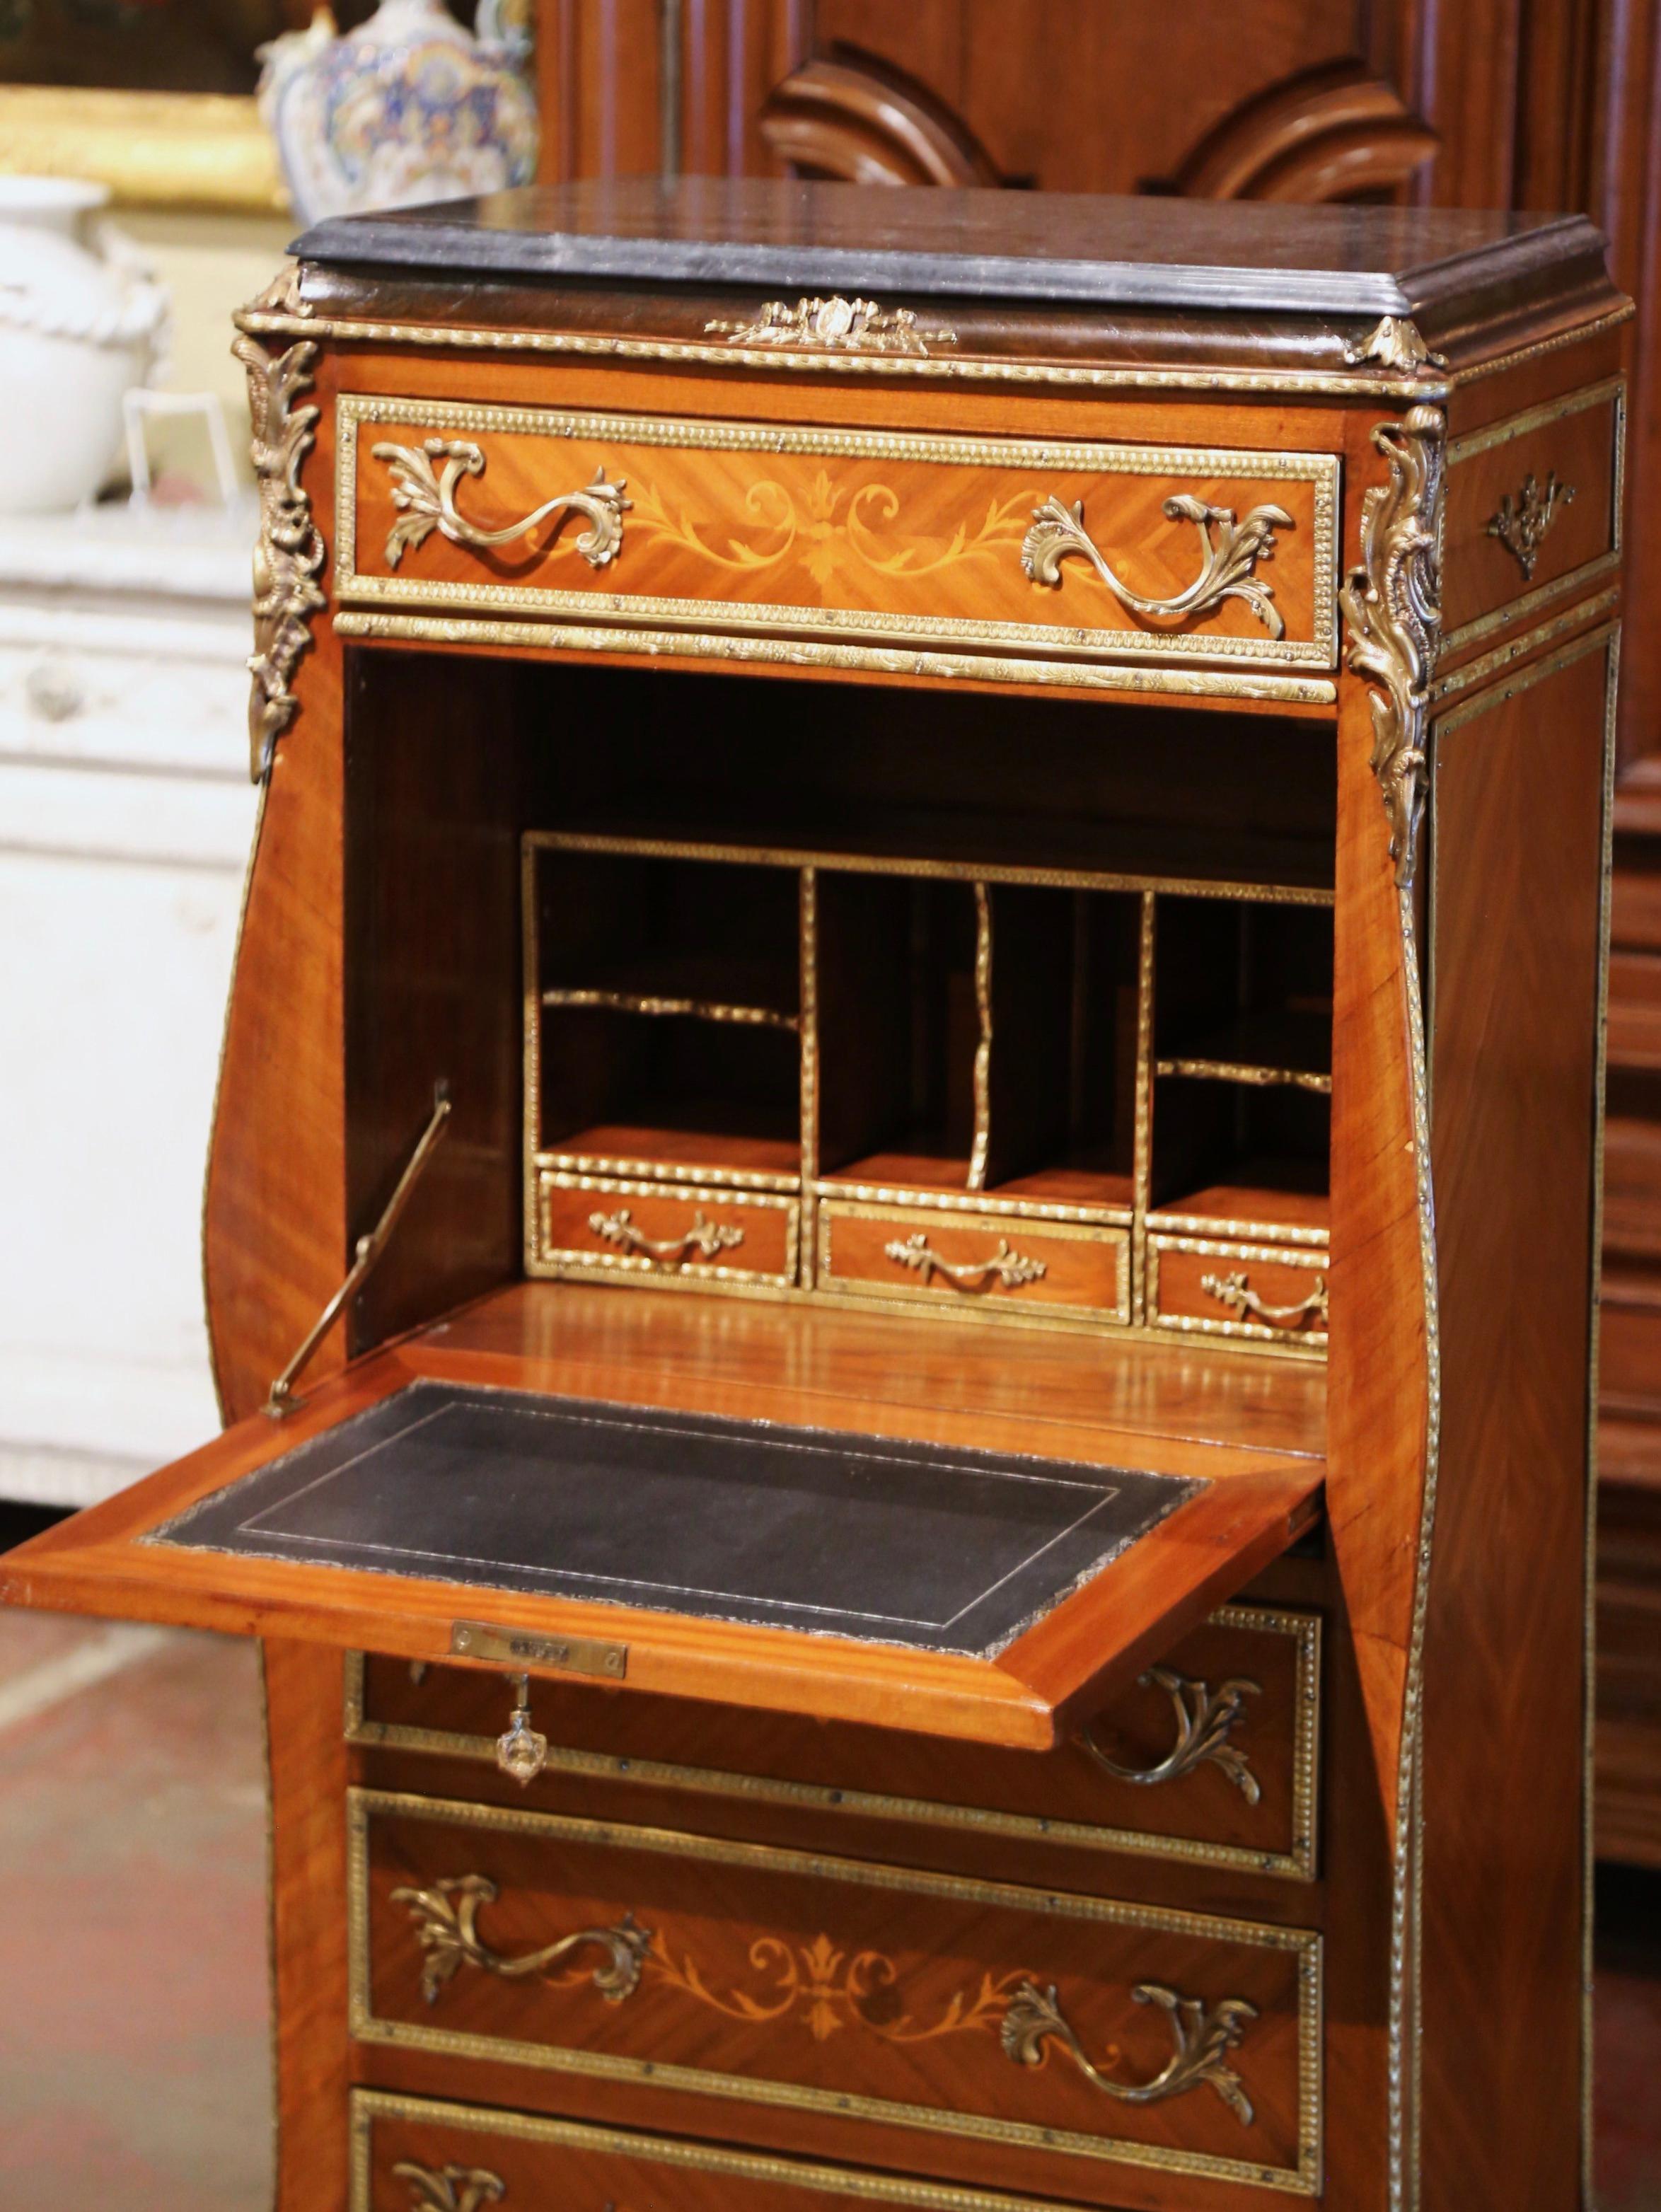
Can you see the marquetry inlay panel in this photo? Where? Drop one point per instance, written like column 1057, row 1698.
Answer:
column 1068, row 547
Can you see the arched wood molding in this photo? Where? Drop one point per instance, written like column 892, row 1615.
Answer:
column 848, row 116
column 1337, row 132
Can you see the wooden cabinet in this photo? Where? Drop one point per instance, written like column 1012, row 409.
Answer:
column 903, row 1206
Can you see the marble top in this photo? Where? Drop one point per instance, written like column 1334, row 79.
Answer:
column 1060, row 248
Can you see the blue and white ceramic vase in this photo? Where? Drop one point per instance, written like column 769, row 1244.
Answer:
column 409, row 107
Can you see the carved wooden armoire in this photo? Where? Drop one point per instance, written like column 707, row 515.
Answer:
column 901, row 1238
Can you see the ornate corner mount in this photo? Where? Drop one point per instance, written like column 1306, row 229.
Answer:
column 1522, row 518
column 282, row 297
column 834, row 325
column 1205, row 1723
column 449, row 2188
column 425, row 497
column 1231, row 551
column 288, row 554
column 1392, row 603
column 1203, row 2035
column 1394, row 343
column 446, row 1917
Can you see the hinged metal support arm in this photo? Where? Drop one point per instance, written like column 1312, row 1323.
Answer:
column 368, row 1249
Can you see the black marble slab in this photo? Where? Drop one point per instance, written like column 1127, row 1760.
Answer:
column 935, row 1549
column 794, row 238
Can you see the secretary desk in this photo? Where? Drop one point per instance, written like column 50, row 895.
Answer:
column 902, row 1229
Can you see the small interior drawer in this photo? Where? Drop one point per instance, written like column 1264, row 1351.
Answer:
column 923, row 2005
column 1265, row 1293
column 621, row 1226
column 1209, row 1759
column 973, row 1261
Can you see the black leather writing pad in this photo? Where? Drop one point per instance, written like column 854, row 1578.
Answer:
column 810, row 1528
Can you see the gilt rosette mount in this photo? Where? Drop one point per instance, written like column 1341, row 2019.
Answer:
column 1231, row 552
column 833, row 325
column 427, row 477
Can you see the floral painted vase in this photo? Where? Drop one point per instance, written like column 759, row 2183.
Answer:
column 411, row 107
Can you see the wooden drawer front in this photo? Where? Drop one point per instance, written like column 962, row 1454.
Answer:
column 878, row 1993
column 1210, row 1758
column 1533, row 509
column 973, row 1261
column 851, row 533
column 415, row 2154
column 1267, row 1293
column 603, row 1223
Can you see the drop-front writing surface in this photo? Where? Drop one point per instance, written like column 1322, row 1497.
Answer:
column 915, row 868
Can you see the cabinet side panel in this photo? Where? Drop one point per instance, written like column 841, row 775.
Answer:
column 432, row 991
column 274, row 1227
column 308, row 1924
column 1516, row 842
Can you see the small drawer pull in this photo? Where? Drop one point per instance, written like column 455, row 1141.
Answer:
column 449, row 2188
column 1010, row 1268
column 704, row 1240
column 446, row 1919
column 425, row 498
column 1235, row 1292
column 1231, row 551
column 1522, row 518
column 1203, row 2035
column 1204, row 1723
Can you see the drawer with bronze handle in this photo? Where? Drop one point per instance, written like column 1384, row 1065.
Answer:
column 1210, row 1758
column 924, row 2004
column 422, row 2154
column 1075, row 549
column 969, row 1262
column 1533, row 511
column 609, row 1225
column 1262, row 1293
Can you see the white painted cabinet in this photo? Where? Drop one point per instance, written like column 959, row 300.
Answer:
column 125, row 818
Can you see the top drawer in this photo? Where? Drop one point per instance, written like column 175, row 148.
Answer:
column 1080, row 549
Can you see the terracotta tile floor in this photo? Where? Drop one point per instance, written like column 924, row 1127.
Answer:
column 134, row 2070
